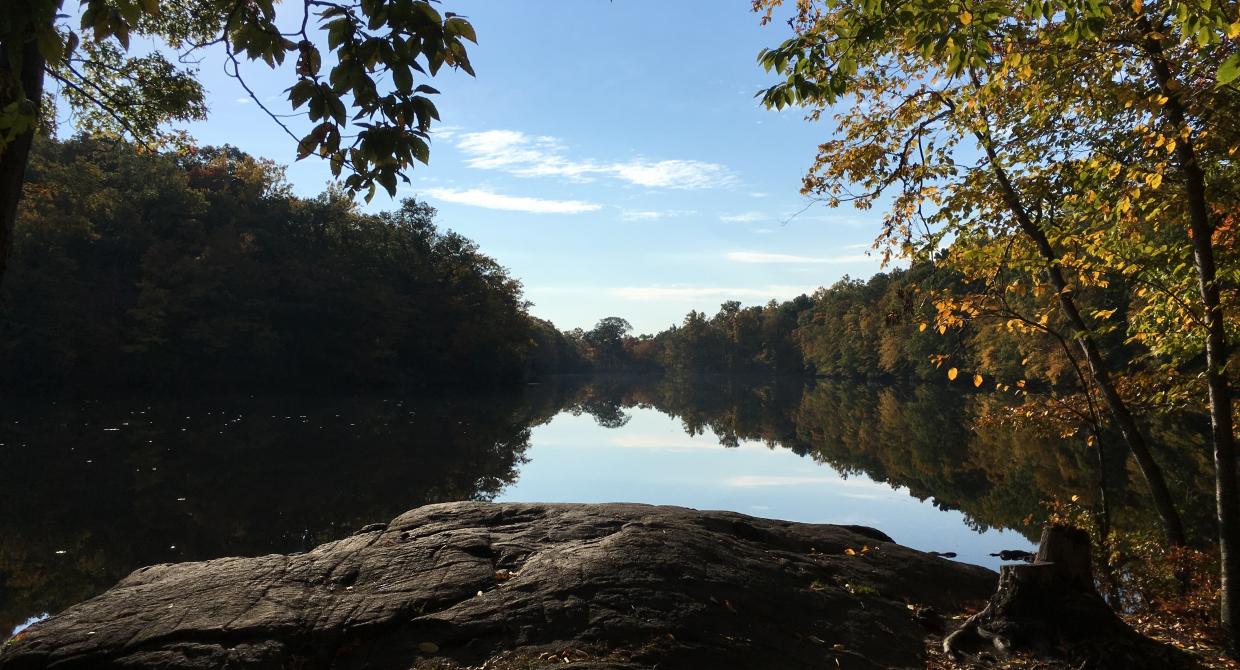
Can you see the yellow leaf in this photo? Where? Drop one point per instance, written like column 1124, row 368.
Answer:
column 951, row 374
column 966, row 18
column 942, row 329
column 1136, row 6
column 1233, row 31
column 921, row 328
column 1075, row 498
column 977, row 380
column 850, row 551
column 1154, row 180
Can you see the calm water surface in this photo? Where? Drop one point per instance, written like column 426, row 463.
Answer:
column 91, row 490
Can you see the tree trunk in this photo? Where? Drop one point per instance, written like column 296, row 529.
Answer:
column 1051, row 609
column 16, row 154
column 1227, row 500
column 1173, row 529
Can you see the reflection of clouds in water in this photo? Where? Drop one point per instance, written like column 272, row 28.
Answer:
column 869, row 490
column 778, row 480
column 28, row 623
column 675, row 442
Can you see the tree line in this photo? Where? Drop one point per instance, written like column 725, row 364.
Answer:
column 882, row 328
column 200, row 269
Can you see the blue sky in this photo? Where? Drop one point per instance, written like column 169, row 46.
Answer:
column 612, row 156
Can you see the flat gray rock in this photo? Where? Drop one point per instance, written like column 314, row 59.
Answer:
column 528, row 586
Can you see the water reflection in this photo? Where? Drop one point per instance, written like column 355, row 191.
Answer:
column 92, row 490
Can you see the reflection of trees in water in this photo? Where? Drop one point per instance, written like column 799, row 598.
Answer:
column 117, row 485
column 928, row 439
column 194, row 479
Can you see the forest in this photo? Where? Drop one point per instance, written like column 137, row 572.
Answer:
column 1051, row 187
column 200, row 269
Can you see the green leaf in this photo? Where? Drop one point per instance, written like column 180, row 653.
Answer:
column 300, row 92
column 1229, row 70
column 421, row 151
column 458, row 27
column 402, row 77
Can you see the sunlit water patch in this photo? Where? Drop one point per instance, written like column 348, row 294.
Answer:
column 651, row 459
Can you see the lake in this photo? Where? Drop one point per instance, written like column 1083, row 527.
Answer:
column 93, row 489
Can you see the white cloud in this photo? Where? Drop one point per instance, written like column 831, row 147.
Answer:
column 654, row 214
column 673, row 174
column 445, row 132
column 763, row 257
column 523, row 155
column 744, row 217
column 690, row 293
column 490, row 200
column 243, row 101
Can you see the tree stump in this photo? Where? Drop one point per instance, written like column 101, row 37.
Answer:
column 1051, row 609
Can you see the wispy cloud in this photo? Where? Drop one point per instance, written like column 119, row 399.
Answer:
column 490, row 200
column 517, row 153
column 745, row 217
column 673, row 174
column 445, row 132
column 763, row 257
column 654, row 214
column 690, row 293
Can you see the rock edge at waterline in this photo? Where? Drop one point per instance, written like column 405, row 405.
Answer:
column 585, row 586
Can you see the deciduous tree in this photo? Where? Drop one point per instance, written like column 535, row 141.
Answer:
column 354, row 81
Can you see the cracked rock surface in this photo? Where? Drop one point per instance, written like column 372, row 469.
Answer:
column 468, row 584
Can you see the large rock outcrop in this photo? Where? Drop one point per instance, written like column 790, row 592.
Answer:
column 527, row 585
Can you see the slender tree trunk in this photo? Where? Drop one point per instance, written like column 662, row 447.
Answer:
column 15, row 155
column 1173, row 529
column 1227, row 500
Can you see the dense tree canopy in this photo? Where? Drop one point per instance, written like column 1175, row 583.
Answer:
column 202, row 268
